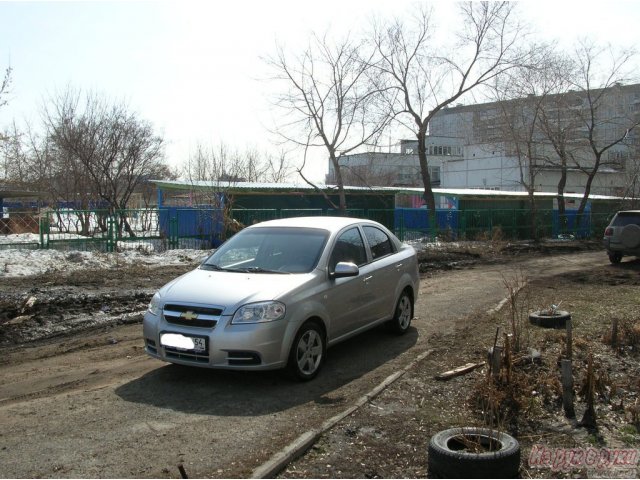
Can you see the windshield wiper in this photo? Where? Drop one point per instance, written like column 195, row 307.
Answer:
column 260, row 270
column 217, row 268
column 211, row 266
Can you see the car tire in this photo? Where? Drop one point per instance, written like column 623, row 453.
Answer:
column 557, row 320
column 307, row 352
column 402, row 315
column 615, row 257
column 449, row 456
column 630, row 236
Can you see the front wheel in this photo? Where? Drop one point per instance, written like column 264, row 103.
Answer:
column 307, row 352
column 401, row 320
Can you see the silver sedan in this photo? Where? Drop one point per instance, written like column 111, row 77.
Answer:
column 278, row 293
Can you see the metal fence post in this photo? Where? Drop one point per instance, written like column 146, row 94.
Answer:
column 111, row 227
column 173, row 232
column 44, row 230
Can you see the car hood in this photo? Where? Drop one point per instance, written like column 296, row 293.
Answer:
column 230, row 290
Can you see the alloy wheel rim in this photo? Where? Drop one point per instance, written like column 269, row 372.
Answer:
column 404, row 312
column 309, row 352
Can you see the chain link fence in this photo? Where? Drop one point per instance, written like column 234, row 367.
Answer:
column 155, row 230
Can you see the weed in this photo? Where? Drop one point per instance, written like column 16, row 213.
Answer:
column 519, row 303
column 592, row 439
column 624, row 334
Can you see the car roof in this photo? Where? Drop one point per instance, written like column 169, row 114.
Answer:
column 326, row 223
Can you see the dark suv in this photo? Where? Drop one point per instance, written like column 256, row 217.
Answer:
column 622, row 236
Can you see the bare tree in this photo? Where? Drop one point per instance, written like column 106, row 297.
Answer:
column 279, row 167
column 632, row 187
column 116, row 150
column 558, row 126
column 602, row 72
column 365, row 172
column 519, row 121
column 4, row 87
column 14, row 164
column 531, row 116
column 421, row 77
column 327, row 101
column 214, row 170
column 221, row 165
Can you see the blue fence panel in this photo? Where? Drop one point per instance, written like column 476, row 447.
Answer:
column 569, row 224
column 414, row 221
column 206, row 225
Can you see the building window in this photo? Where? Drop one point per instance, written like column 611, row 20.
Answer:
column 434, row 173
column 446, row 150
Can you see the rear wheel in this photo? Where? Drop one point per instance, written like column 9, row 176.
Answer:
column 307, row 352
column 401, row 320
column 615, row 257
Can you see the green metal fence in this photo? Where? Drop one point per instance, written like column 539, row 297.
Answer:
column 161, row 229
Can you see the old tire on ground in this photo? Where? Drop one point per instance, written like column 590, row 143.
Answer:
column 558, row 320
column 401, row 320
column 615, row 257
column 630, row 236
column 451, row 457
column 307, row 352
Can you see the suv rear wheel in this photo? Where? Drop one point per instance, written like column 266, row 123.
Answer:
column 615, row 257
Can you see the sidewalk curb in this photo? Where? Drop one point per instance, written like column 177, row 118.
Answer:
column 300, row 445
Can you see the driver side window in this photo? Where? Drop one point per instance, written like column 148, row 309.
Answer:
column 348, row 248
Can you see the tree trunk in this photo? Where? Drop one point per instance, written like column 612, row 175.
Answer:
column 534, row 216
column 429, row 197
column 585, row 197
column 339, row 183
column 562, row 183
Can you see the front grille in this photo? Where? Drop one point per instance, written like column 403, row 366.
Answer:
column 213, row 311
column 183, row 315
column 200, row 357
column 235, row 357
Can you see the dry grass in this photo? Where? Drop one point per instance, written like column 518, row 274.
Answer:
column 524, row 396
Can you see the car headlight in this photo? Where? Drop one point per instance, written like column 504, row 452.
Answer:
column 259, row 312
column 155, row 306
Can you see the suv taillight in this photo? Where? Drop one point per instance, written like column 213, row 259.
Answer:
column 608, row 232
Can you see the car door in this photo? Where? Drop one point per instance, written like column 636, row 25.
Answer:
column 348, row 300
column 386, row 271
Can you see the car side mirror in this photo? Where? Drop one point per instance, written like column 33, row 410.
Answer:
column 345, row 269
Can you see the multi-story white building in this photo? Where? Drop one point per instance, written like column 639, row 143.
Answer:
column 470, row 147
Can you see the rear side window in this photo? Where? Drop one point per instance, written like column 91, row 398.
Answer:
column 348, row 248
column 379, row 242
column 626, row 218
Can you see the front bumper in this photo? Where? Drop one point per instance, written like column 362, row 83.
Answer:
column 257, row 346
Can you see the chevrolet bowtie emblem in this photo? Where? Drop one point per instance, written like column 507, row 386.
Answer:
column 189, row 315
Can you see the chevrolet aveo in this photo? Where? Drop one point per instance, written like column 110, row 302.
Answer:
column 278, row 293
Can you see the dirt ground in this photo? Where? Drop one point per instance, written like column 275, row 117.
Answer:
column 79, row 398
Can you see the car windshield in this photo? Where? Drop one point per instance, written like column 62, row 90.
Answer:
column 270, row 250
column 626, row 218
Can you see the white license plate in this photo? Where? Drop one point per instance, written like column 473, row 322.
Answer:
column 183, row 342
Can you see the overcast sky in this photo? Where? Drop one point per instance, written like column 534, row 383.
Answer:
column 193, row 68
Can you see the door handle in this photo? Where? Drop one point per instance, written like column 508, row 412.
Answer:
column 366, row 279
column 399, row 265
